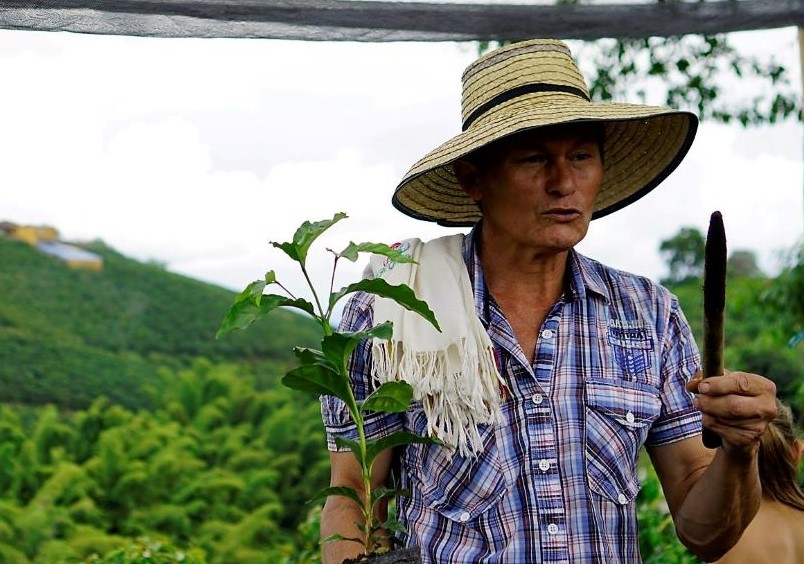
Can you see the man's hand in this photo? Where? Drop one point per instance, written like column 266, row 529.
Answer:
column 738, row 406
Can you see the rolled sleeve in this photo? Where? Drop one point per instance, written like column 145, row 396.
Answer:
column 357, row 316
column 679, row 418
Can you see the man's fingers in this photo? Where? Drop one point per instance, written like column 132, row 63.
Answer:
column 692, row 385
column 736, row 383
column 746, row 435
column 734, row 408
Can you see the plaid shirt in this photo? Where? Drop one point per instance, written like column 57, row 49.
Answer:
column 557, row 480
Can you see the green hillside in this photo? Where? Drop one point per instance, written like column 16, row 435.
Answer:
column 68, row 336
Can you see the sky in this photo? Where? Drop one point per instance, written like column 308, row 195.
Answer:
column 196, row 153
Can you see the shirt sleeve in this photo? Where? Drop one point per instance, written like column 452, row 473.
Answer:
column 357, row 316
column 679, row 418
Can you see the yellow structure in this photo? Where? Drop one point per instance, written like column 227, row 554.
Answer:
column 46, row 239
column 32, row 234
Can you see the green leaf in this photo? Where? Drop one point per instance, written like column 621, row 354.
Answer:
column 270, row 277
column 317, row 379
column 393, row 525
column 290, row 250
column 351, row 252
column 401, row 294
column 344, row 491
column 338, row 346
column 252, row 292
column 248, row 308
column 305, row 235
column 391, row 397
column 337, row 537
column 382, row 492
column 384, row 331
column 354, row 446
column 313, row 356
column 398, row 438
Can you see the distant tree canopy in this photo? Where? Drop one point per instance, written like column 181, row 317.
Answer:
column 684, row 255
column 691, row 72
column 743, row 263
column 787, row 295
column 764, row 315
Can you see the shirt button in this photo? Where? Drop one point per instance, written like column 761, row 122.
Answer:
column 538, row 399
column 464, row 517
column 622, row 499
column 552, row 528
column 548, row 334
column 544, row 465
column 629, row 417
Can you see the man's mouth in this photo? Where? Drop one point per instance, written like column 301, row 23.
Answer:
column 563, row 214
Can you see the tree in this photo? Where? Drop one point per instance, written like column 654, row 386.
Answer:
column 690, row 72
column 743, row 263
column 684, row 253
column 786, row 295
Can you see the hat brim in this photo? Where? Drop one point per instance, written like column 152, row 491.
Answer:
column 642, row 146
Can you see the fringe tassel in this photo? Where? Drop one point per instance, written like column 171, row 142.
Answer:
column 459, row 388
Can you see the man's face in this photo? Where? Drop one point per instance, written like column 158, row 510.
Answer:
column 537, row 188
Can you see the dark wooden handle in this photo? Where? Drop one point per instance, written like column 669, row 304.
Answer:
column 714, row 302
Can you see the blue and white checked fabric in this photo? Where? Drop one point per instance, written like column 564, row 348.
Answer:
column 557, row 480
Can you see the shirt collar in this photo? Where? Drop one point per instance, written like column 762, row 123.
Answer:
column 584, row 274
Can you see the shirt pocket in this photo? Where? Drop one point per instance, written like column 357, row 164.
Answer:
column 618, row 417
column 461, row 488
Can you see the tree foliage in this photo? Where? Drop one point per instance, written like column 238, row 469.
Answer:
column 764, row 316
column 695, row 73
column 690, row 72
column 224, row 475
column 221, row 470
column 68, row 336
column 684, row 255
column 743, row 263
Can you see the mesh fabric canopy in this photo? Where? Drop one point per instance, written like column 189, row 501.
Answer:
column 334, row 20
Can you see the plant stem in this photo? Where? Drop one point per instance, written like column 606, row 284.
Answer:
column 365, row 470
column 368, row 513
column 288, row 292
column 315, row 295
column 332, row 283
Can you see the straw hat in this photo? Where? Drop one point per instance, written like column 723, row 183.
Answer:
column 533, row 84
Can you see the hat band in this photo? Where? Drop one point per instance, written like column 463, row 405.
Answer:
column 521, row 91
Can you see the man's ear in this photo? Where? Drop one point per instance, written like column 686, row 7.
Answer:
column 468, row 177
column 798, row 449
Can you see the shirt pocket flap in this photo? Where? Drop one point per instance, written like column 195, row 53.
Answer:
column 619, row 416
column 630, row 406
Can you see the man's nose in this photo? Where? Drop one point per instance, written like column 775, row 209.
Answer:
column 561, row 179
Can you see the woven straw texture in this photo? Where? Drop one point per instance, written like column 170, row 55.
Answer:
column 534, row 84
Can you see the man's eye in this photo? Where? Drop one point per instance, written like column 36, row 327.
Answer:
column 534, row 158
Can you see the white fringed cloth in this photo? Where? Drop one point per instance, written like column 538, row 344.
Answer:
column 453, row 373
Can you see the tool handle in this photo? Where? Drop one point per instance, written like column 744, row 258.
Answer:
column 711, row 439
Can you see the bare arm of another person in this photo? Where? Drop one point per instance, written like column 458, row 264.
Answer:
column 341, row 514
column 713, row 495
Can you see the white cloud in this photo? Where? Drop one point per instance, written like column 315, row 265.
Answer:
column 198, row 152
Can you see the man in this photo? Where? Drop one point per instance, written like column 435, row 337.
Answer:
column 589, row 363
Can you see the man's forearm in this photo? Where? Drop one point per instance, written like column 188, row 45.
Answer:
column 720, row 505
column 340, row 516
